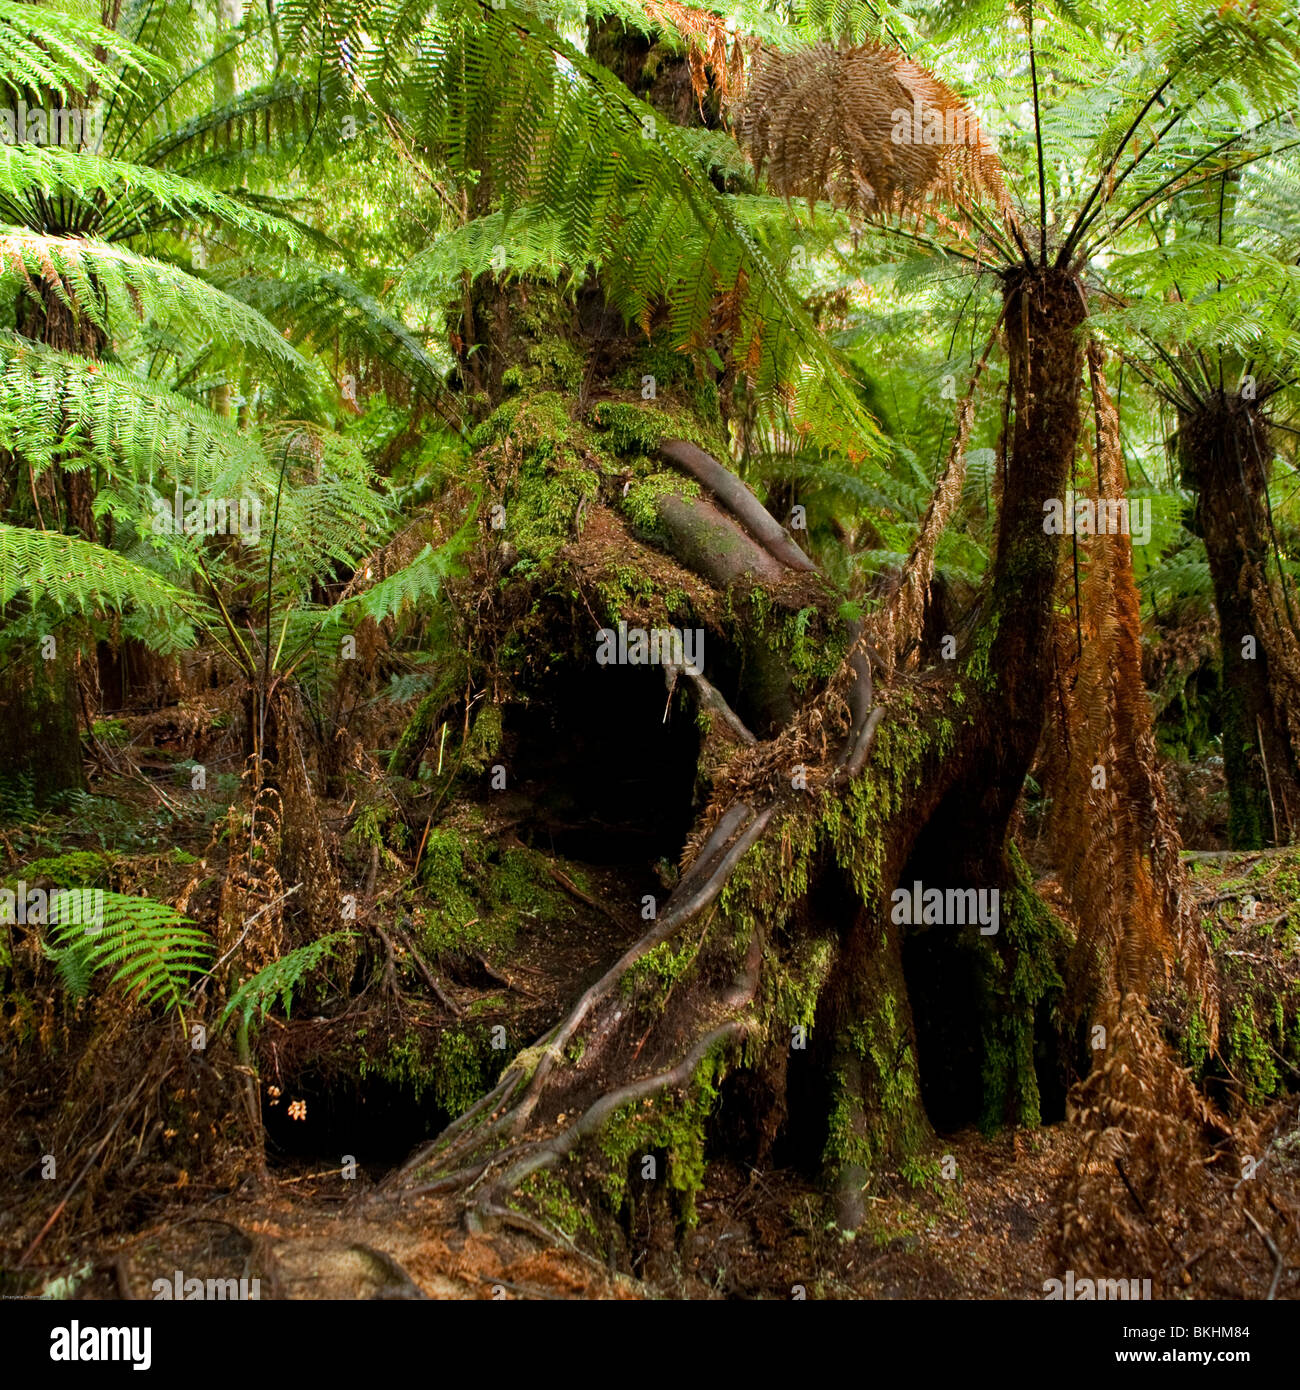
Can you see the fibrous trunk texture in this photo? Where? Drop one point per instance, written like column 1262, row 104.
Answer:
column 1225, row 449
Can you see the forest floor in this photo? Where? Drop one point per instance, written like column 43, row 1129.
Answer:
column 760, row 1235
column 992, row 1235
column 991, row 1230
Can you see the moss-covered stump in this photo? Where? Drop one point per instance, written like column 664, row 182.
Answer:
column 774, row 995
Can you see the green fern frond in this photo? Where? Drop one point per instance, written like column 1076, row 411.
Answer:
column 277, row 981
column 325, row 307
column 153, row 950
column 283, row 115
column 92, row 277
column 120, row 199
column 77, row 577
column 498, row 89
column 416, row 583
column 1181, row 578
column 43, row 48
column 532, row 242
column 56, row 407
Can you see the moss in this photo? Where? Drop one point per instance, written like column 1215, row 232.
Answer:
column 876, row 1112
column 925, row 1173
column 632, row 429
column 642, row 500
column 977, row 663
column 624, row 589
column 456, row 1068
column 551, row 1199
column 666, row 1125
column 814, row 654
column 480, row 893
column 1250, row 1058
column 904, row 748
column 675, row 377
column 442, row 872
column 539, row 426
column 484, row 741
column 544, row 509
column 519, row 879
column 76, row 869
column 488, row 1004
column 769, row 880
column 401, row 1063
column 461, row 1069
column 111, row 731
column 1020, row 976
column 1196, row 1043
column 792, row 988
column 554, row 360
column 655, row 973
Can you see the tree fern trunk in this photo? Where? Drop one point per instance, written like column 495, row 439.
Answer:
column 39, row 709
column 1224, row 449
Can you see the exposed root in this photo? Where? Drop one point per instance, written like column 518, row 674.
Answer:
column 675, row 916
column 861, row 746
column 428, row 976
column 462, row 1151
column 593, row 1119
column 738, row 499
column 711, row 699
column 708, row 541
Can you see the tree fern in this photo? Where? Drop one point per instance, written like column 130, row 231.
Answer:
column 279, row 116
column 119, row 198
column 64, row 53
column 57, row 408
column 484, row 88
column 323, row 307
column 94, row 278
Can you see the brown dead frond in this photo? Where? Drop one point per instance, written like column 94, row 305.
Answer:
column 1117, row 851
column 710, row 46
column 866, row 128
column 894, row 629
column 1273, row 602
column 1115, row 839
